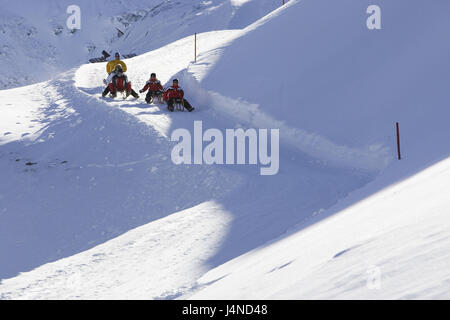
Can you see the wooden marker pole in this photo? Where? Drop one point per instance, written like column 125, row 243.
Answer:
column 195, row 47
column 398, row 141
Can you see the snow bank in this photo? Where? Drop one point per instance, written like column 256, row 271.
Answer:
column 315, row 67
column 392, row 245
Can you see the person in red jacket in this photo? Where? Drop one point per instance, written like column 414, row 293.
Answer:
column 175, row 94
column 154, row 87
column 118, row 81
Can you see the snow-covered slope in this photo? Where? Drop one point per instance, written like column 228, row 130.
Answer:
column 392, row 245
column 123, row 177
column 339, row 210
column 35, row 42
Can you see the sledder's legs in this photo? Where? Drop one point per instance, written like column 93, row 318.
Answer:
column 119, row 85
column 105, row 92
column 128, row 89
column 170, row 104
column 120, row 88
column 153, row 94
column 148, row 97
column 131, row 91
column 134, row 94
column 187, row 105
column 112, row 88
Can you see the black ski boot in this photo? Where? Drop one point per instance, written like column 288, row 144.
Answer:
column 188, row 106
column 149, row 98
column 105, row 92
column 134, row 94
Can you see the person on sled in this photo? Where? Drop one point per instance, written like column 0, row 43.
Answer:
column 118, row 81
column 154, row 87
column 110, row 67
column 174, row 94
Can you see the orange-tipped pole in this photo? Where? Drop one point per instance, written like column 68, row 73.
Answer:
column 398, row 141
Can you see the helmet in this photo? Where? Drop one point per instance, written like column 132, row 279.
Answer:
column 153, row 75
column 118, row 68
column 117, row 54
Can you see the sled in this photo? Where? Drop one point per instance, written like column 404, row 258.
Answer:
column 159, row 99
column 179, row 105
column 122, row 94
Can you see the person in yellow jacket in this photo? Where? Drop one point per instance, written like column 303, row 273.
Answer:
column 110, row 67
